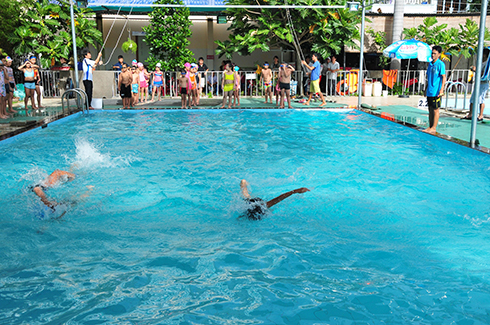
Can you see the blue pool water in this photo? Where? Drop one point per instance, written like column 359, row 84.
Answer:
column 395, row 229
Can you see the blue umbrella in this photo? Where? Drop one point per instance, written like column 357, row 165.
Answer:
column 409, row 49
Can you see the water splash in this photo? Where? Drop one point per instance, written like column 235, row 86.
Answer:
column 89, row 155
column 34, row 175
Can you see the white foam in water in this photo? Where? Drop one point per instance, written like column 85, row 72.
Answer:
column 34, row 175
column 88, row 155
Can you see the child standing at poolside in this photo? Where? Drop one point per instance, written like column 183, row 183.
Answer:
column 157, row 82
column 236, row 89
column 285, row 71
column 193, row 78
column 228, row 84
column 29, row 83
column 143, row 82
column 135, row 86
column 183, row 83
column 124, row 85
column 266, row 78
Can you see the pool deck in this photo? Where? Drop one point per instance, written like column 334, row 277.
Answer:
column 400, row 110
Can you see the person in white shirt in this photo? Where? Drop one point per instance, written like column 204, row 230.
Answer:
column 332, row 68
column 88, row 66
column 325, row 75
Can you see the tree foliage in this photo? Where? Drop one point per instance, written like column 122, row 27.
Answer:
column 167, row 36
column 379, row 42
column 46, row 29
column 324, row 31
column 9, row 21
column 462, row 42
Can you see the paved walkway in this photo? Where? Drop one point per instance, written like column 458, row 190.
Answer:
column 403, row 109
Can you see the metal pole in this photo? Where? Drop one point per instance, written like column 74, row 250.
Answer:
column 361, row 57
column 74, row 40
column 476, row 104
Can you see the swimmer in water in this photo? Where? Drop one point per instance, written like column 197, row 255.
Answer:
column 56, row 177
column 258, row 207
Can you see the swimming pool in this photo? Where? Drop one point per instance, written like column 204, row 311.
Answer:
column 394, row 230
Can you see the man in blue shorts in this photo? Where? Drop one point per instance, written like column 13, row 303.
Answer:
column 436, row 79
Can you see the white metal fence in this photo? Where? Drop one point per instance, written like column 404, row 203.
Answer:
column 410, row 82
column 250, row 84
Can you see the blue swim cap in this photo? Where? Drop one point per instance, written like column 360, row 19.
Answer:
column 237, row 68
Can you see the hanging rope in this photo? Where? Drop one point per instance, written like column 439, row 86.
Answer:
column 110, row 29
column 295, row 38
column 119, row 38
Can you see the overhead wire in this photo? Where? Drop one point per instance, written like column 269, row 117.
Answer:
column 119, row 38
column 110, row 29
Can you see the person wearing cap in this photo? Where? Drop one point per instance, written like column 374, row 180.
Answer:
column 194, row 77
column 144, row 76
column 88, row 67
column 266, row 79
column 29, row 83
column 236, row 89
column 183, row 84
column 10, row 87
column 135, row 86
column 157, row 82
column 134, row 63
column 119, row 64
column 37, row 77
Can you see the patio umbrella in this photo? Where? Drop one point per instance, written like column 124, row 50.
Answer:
column 409, row 49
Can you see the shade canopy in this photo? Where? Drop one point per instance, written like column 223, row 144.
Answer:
column 409, row 49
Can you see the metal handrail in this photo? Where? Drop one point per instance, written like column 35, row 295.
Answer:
column 449, row 86
column 79, row 92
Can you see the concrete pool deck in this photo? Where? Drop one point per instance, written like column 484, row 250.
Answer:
column 401, row 109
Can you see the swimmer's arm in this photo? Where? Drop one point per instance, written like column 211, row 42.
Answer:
column 39, row 192
column 285, row 196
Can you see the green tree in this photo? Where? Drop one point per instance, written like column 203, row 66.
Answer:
column 46, row 29
column 9, row 21
column 379, row 41
column 460, row 42
column 167, row 36
column 324, row 31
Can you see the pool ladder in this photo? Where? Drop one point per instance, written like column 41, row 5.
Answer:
column 449, row 86
column 81, row 97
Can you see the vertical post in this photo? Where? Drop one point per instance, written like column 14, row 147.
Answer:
column 74, row 40
column 361, row 56
column 476, row 104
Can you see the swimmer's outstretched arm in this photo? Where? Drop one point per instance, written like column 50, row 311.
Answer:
column 244, row 189
column 285, row 196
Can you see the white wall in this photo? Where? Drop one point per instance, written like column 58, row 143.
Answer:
column 201, row 43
